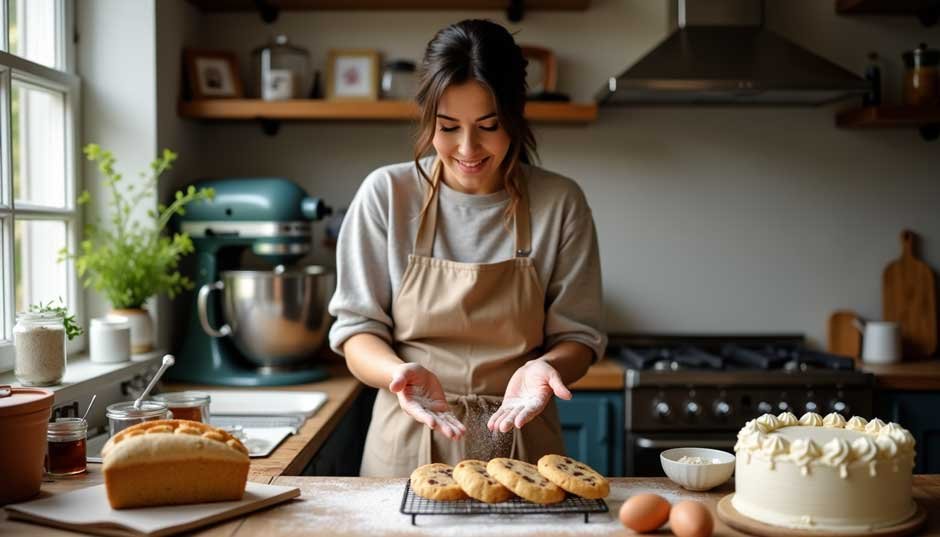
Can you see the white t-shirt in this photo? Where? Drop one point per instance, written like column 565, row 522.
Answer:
column 379, row 230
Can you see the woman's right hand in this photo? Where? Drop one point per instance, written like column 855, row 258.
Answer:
column 421, row 396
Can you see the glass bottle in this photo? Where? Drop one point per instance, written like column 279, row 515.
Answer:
column 874, row 74
column 280, row 70
column 39, row 343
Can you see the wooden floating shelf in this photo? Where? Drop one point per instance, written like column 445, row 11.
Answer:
column 897, row 116
column 316, row 109
column 883, row 7
column 299, row 5
column 928, row 11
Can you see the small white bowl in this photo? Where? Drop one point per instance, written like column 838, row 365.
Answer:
column 697, row 477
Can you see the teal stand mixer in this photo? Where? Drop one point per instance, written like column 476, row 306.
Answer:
column 254, row 327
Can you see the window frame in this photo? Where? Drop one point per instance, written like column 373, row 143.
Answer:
column 64, row 80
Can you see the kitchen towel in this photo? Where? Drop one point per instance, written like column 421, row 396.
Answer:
column 87, row 510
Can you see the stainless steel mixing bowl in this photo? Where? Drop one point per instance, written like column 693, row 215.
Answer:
column 277, row 318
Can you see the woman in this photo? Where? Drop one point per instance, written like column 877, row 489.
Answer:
column 469, row 287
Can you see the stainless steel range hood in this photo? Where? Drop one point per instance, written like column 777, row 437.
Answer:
column 723, row 54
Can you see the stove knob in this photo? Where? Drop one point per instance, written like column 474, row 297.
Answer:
column 661, row 410
column 722, row 409
column 692, row 409
column 811, row 406
column 841, row 407
column 764, row 407
column 783, row 406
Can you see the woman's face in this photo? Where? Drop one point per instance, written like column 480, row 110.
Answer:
column 469, row 139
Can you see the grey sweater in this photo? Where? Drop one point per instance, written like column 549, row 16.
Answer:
column 379, row 230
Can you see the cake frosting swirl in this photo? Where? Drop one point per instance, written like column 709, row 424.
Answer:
column 827, row 473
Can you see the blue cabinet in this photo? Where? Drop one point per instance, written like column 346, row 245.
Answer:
column 593, row 427
column 918, row 412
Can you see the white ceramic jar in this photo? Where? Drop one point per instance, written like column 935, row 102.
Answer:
column 110, row 339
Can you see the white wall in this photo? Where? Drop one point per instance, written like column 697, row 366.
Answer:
column 115, row 58
column 710, row 219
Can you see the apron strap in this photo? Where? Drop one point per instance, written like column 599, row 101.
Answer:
column 521, row 218
column 424, row 240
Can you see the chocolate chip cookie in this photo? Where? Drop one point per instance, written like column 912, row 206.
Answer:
column 524, row 479
column 573, row 476
column 477, row 483
column 436, row 482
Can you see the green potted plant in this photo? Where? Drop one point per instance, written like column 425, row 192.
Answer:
column 132, row 259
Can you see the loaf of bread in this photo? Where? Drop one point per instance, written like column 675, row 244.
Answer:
column 171, row 462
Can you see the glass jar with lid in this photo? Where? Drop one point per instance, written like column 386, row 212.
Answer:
column 399, row 80
column 187, row 405
column 280, row 70
column 66, row 447
column 123, row 415
column 922, row 79
column 39, row 344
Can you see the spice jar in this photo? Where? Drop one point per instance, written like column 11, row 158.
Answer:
column 66, row 448
column 187, row 405
column 399, row 80
column 39, row 343
column 123, row 415
column 280, row 70
column 922, row 79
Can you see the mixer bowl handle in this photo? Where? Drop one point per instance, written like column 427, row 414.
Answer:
column 203, row 306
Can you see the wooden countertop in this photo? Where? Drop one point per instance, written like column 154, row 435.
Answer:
column 922, row 375
column 353, row 506
column 295, row 452
column 605, row 375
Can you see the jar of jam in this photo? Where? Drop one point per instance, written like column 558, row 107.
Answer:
column 65, row 446
column 187, row 405
column 123, row 415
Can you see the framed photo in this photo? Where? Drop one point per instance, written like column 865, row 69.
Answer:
column 352, row 74
column 212, row 74
column 542, row 70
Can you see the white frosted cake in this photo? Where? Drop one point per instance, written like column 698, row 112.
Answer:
column 824, row 473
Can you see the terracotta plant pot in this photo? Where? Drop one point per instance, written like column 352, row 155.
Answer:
column 141, row 327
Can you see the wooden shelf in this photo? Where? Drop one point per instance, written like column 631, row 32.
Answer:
column 311, row 109
column 888, row 117
column 925, row 10
column 298, row 5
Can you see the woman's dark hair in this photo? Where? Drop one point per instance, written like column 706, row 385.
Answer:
column 483, row 51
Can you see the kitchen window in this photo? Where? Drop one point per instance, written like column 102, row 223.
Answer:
column 39, row 160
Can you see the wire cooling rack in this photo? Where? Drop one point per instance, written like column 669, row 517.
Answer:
column 414, row 505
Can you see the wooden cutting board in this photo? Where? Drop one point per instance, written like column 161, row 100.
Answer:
column 909, row 297
column 844, row 337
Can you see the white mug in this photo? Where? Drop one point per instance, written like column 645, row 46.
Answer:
column 881, row 342
column 110, row 340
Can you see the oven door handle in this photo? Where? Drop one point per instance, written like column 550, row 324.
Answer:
column 649, row 443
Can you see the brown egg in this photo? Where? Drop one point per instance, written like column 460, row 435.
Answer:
column 644, row 512
column 691, row 519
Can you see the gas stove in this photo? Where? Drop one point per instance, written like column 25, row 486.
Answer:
column 700, row 390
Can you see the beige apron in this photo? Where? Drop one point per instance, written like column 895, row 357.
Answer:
column 472, row 325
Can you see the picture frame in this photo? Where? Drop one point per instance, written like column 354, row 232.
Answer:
column 212, row 74
column 542, row 70
column 353, row 74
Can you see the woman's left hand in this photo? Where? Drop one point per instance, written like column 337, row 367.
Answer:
column 530, row 389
